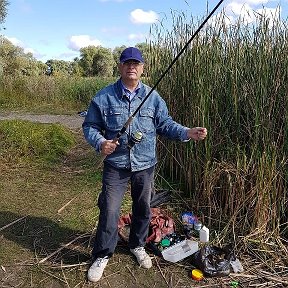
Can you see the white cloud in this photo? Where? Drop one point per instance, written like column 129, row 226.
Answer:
column 138, row 37
column 270, row 12
column 19, row 43
column 77, row 42
column 249, row 2
column 247, row 10
column 220, row 19
column 67, row 56
column 253, row 2
column 139, row 16
column 30, row 50
column 235, row 7
column 15, row 41
column 244, row 11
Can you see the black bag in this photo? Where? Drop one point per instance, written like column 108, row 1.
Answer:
column 213, row 261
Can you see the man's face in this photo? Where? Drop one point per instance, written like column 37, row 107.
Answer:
column 131, row 70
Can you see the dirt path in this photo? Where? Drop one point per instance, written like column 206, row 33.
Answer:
column 70, row 121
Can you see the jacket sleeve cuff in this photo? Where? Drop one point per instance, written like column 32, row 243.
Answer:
column 99, row 143
column 184, row 135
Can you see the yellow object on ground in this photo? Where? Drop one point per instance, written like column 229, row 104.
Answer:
column 197, row 274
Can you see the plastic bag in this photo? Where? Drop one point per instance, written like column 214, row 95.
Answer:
column 236, row 266
column 213, row 261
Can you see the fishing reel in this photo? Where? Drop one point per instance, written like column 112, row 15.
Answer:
column 135, row 138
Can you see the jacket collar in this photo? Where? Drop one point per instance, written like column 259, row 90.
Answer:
column 118, row 88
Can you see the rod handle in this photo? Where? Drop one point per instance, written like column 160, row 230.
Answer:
column 102, row 157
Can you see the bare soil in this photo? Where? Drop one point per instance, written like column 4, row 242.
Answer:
column 70, row 121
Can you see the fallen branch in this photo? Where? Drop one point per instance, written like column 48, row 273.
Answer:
column 61, row 248
column 54, row 276
column 273, row 277
column 243, row 275
column 161, row 272
column 12, row 223
column 70, row 265
column 132, row 273
column 65, row 278
column 63, row 207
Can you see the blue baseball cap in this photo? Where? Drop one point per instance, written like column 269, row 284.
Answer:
column 131, row 53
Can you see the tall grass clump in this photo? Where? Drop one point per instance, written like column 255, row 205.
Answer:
column 232, row 80
column 48, row 94
column 33, row 142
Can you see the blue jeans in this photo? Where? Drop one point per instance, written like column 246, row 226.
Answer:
column 114, row 186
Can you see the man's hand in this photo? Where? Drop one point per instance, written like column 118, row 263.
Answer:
column 197, row 133
column 108, row 147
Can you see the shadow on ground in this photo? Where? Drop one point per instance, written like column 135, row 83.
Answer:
column 43, row 237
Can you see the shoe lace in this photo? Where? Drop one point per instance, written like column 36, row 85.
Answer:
column 100, row 261
column 141, row 252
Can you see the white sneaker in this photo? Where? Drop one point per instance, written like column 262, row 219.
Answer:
column 143, row 258
column 96, row 270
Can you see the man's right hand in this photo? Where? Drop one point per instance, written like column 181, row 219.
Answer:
column 108, row 146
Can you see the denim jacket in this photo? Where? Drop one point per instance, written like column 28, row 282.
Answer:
column 108, row 112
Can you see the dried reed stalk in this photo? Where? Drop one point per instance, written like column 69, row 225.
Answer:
column 12, row 223
column 64, row 206
column 61, row 248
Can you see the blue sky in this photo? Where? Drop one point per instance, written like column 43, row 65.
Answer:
column 57, row 29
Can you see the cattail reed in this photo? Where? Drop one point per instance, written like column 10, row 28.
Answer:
column 232, row 80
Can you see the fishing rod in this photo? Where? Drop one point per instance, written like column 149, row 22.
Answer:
column 130, row 119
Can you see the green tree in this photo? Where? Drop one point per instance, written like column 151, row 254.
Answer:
column 27, row 65
column 76, row 68
column 3, row 10
column 144, row 48
column 15, row 62
column 60, row 67
column 116, row 55
column 96, row 61
column 86, row 59
column 103, row 62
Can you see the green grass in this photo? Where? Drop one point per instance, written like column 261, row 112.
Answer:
column 25, row 140
column 37, row 191
column 58, row 202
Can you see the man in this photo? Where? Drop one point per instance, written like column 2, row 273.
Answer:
column 126, row 159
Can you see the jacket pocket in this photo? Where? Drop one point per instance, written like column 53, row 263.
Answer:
column 114, row 118
column 146, row 119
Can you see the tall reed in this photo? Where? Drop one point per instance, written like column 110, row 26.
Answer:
column 232, row 80
column 48, row 94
